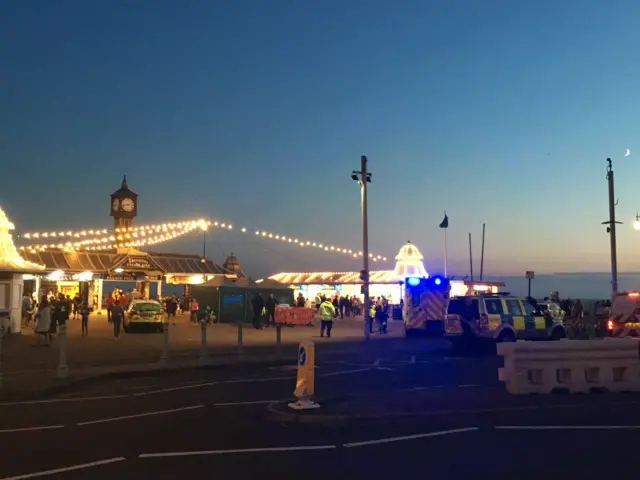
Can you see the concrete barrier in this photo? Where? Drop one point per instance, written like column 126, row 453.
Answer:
column 570, row 365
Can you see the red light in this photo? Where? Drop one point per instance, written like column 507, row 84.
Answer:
column 610, row 324
column 634, row 294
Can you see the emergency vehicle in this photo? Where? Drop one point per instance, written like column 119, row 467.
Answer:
column 624, row 315
column 424, row 304
column 500, row 317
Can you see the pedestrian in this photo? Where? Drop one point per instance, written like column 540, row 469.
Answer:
column 84, row 311
column 257, row 303
column 110, row 302
column 117, row 317
column 43, row 322
column 271, row 305
column 27, row 305
column 194, row 307
column 172, row 309
column 327, row 312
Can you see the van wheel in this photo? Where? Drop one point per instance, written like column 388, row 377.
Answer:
column 557, row 334
column 506, row 336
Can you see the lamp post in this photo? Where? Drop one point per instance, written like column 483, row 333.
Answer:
column 363, row 177
column 203, row 227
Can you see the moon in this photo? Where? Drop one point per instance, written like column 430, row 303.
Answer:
column 628, row 153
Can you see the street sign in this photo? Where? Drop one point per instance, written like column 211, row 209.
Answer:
column 364, row 275
column 305, row 381
column 530, row 275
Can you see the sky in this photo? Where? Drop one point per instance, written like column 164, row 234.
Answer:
column 255, row 112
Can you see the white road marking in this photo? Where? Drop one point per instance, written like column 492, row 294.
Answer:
column 238, row 450
column 66, row 469
column 413, row 359
column 62, row 400
column 140, row 387
column 255, row 402
column 30, row 429
column 173, row 389
column 377, row 362
column 137, row 415
column 252, row 380
column 471, row 386
column 409, row 437
column 569, row 427
column 345, row 372
column 385, row 368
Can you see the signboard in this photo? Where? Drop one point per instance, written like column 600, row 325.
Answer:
column 529, row 275
column 306, row 366
column 137, row 262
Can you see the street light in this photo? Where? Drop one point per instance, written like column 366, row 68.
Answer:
column 636, row 223
column 363, row 177
column 203, row 227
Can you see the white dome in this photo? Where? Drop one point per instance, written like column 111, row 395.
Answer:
column 409, row 262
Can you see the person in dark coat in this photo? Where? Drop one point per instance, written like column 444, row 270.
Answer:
column 271, row 305
column 257, row 302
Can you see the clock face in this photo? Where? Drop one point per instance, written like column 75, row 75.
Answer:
column 127, row 204
column 115, row 204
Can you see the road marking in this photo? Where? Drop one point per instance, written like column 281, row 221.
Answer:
column 471, row 386
column 61, row 400
column 377, row 362
column 173, row 389
column 408, row 437
column 569, row 427
column 140, row 387
column 255, row 402
column 148, row 414
column 238, row 450
column 345, row 372
column 29, row 429
column 413, row 359
column 252, row 380
column 385, row 368
column 66, row 469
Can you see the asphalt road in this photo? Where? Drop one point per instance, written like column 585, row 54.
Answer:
column 429, row 414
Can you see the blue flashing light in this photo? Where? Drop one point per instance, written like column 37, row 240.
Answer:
column 413, row 281
column 438, row 281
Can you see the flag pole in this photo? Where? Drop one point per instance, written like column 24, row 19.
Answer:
column 445, row 252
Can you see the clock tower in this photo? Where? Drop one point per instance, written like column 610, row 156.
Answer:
column 124, row 206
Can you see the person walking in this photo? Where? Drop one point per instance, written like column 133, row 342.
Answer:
column 26, row 309
column 172, row 309
column 84, row 311
column 43, row 322
column 117, row 317
column 327, row 312
column 271, row 305
column 257, row 303
column 194, row 307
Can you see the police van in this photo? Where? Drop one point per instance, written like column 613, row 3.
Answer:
column 500, row 317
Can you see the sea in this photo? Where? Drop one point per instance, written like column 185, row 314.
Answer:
column 593, row 285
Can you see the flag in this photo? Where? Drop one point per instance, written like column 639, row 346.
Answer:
column 445, row 221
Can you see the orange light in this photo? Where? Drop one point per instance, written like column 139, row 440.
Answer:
column 634, row 294
column 610, row 324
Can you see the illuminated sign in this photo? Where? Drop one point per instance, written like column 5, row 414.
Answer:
column 141, row 263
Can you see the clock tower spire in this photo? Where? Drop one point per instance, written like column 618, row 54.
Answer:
column 124, row 206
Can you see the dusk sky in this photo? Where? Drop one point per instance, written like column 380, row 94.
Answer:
column 256, row 111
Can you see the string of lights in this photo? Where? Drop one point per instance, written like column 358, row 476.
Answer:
column 106, row 239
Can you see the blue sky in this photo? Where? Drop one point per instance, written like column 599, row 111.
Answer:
column 255, row 112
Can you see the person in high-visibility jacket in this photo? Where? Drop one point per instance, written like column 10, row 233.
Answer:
column 327, row 312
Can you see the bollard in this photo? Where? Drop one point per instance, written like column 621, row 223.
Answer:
column 203, row 342
column 1, row 336
column 240, row 337
column 63, row 368
column 278, row 340
column 164, row 359
column 305, row 383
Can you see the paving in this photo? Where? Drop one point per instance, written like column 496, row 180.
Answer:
column 411, row 410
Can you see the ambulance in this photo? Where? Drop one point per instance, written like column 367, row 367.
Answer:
column 624, row 315
column 425, row 304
